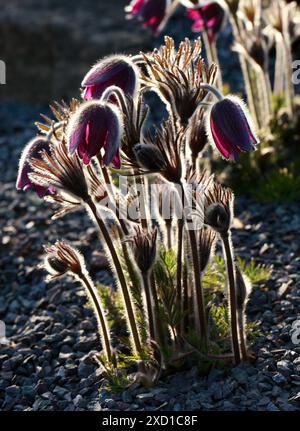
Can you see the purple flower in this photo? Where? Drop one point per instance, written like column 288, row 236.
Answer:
column 116, row 70
column 96, row 129
column 33, row 150
column 150, row 12
column 209, row 17
column 230, row 128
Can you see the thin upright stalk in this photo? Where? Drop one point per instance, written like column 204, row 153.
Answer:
column 168, row 225
column 242, row 335
column 200, row 305
column 180, row 224
column 289, row 87
column 110, row 191
column 149, row 306
column 198, row 290
column 141, row 187
column 158, row 329
column 120, row 274
column 245, row 71
column 99, row 312
column 232, row 296
column 185, row 300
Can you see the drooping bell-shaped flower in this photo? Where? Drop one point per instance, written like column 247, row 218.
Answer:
column 96, row 129
column 230, row 129
column 209, row 17
column 118, row 70
column 150, row 12
column 33, row 150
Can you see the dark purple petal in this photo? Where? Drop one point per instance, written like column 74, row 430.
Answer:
column 227, row 150
column 96, row 130
column 210, row 17
column 113, row 138
column 115, row 70
column 150, row 12
column 230, row 129
column 116, row 161
column 33, row 150
column 94, row 126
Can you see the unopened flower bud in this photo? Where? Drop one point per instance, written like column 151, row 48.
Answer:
column 230, row 128
column 149, row 157
column 217, row 217
column 144, row 249
column 93, row 127
column 118, row 70
column 207, row 239
column 33, row 150
column 150, row 12
column 61, row 258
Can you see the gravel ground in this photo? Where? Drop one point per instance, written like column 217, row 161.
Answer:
column 48, row 364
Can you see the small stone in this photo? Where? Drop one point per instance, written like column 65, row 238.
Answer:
column 272, row 408
column 239, row 375
column 79, row 401
column 127, row 397
column 13, row 391
column 85, row 370
column 284, row 367
column 177, row 407
column 145, row 396
column 279, row 379
column 110, row 403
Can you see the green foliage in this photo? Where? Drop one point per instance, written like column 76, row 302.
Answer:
column 134, row 282
column 279, row 185
column 255, row 272
column 112, row 302
column 252, row 331
column 220, row 322
column 214, row 276
column 165, row 274
column 115, row 375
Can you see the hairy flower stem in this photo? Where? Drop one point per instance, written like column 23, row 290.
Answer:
column 110, row 191
column 87, row 283
column 232, row 296
column 290, row 94
column 194, row 163
column 200, row 306
column 168, row 225
column 199, row 297
column 157, row 322
column 245, row 70
column 141, row 187
column 120, row 274
column 242, row 335
column 129, row 264
column 180, row 225
column 212, row 56
column 185, row 300
column 149, row 307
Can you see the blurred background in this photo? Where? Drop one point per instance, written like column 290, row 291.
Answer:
column 49, row 45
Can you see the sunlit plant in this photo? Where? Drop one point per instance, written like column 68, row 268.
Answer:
column 159, row 215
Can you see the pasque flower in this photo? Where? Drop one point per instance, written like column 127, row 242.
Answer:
column 118, row 70
column 33, row 150
column 150, row 12
column 209, row 17
column 96, row 129
column 230, row 128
